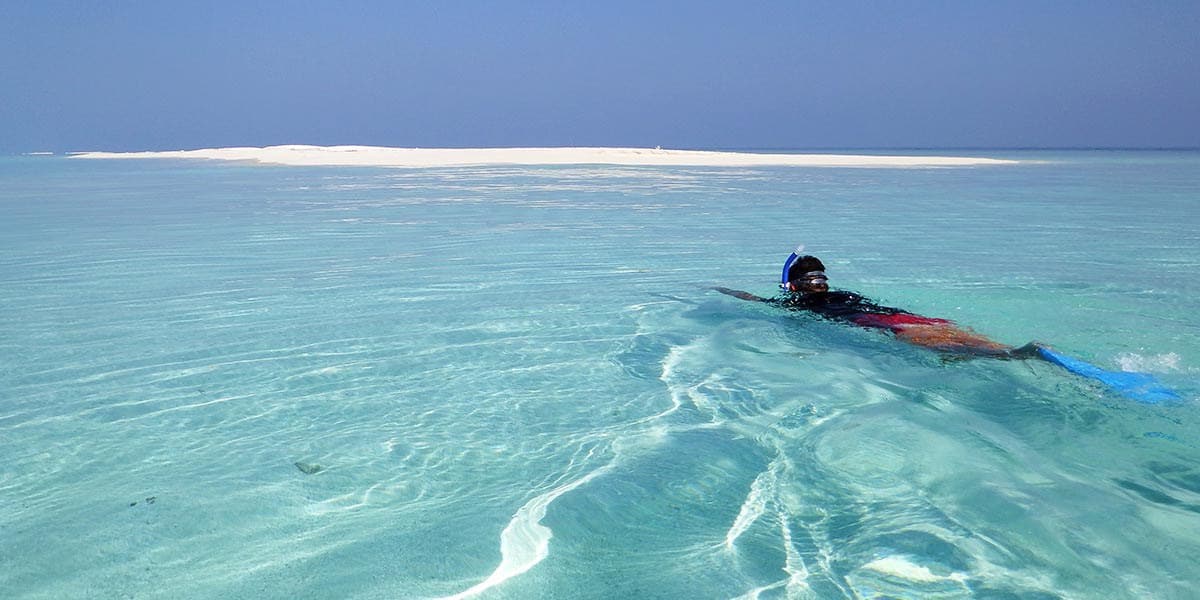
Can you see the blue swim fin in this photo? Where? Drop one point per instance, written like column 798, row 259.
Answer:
column 1136, row 386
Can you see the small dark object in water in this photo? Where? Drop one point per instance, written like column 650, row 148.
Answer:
column 308, row 468
column 151, row 499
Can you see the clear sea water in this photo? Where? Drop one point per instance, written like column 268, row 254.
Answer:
column 514, row 382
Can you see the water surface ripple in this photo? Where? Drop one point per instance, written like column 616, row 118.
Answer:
column 230, row 381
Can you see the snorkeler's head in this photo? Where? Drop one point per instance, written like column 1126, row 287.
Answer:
column 804, row 264
column 807, row 274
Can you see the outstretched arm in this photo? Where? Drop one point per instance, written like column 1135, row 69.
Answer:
column 739, row 294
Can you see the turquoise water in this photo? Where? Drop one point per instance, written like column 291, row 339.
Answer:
column 513, row 382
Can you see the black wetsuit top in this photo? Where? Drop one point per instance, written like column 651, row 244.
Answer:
column 833, row 304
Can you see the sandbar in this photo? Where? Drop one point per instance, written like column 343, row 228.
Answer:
column 377, row 156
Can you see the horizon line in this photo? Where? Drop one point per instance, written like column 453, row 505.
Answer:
column 693, row 148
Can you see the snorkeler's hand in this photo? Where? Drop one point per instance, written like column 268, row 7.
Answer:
column 739, row 294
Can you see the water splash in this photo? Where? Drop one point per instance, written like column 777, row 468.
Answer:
column 1153, row 363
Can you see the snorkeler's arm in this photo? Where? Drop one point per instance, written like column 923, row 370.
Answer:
column 739, row 294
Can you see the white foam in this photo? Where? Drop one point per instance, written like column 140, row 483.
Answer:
column 755, row 593
column 900, row 567
column 753, row 507
column 669, row 364
column 793, row 563
column 300, row 155
column 701, row 401
column 525, row 542
column 1154, row 363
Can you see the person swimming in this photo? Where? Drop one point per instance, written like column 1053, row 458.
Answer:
column 806, row 287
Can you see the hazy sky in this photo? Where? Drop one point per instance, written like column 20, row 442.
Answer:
column 124, row 75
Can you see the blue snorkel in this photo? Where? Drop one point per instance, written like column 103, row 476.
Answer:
column 787, row 266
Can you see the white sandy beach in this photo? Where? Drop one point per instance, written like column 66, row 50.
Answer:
column 376, row 156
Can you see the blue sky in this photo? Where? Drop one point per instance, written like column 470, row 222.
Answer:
column 162, row 75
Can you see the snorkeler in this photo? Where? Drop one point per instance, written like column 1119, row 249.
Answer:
column 806, row 287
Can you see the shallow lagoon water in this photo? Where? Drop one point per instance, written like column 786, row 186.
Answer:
column 516, row 383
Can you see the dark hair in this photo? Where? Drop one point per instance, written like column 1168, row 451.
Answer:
column 804, row 264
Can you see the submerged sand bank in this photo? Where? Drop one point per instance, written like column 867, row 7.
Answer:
column 376, row 156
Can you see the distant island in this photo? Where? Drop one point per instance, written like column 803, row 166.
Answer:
column 376, row 156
